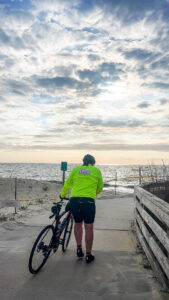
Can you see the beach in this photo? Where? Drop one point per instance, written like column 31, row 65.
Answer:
column 27, row 195
column 22, row 193
column 33, row 197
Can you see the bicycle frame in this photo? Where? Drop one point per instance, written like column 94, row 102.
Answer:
column 58, row 231
column 57, row 220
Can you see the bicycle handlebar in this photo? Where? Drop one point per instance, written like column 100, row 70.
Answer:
column 61, row 201
column 65, row 198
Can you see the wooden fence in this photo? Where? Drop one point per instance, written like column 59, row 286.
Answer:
column 152, row 228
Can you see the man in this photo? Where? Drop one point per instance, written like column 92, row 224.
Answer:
column 86, row 182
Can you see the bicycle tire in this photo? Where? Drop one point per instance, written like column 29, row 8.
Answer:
column 42, row 249
column 67, row 233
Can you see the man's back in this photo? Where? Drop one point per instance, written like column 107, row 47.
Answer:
column 86, row 181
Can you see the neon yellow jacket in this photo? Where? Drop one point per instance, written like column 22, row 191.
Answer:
column 85, row 181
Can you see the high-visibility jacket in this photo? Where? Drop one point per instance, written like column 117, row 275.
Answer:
column 85, row 181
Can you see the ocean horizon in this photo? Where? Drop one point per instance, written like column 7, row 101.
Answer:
column 120, row 176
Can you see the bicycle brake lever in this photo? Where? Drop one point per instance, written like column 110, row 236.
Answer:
column 50, row 217
column 56, row 203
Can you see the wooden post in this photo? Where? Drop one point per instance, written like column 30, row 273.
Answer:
column 63, row 178
column 139, row 175
column 15, row 194
column 115, row 182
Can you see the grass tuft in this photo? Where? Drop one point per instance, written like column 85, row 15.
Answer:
column 3, row 218
column 164, row 291
column 23, row 207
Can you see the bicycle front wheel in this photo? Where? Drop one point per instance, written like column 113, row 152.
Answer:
column 41, row 249
column 67, row 233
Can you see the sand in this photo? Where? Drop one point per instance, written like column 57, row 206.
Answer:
column 23, row 193
column 27, row 196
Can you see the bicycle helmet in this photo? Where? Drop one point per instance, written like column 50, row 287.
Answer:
column 88, row 159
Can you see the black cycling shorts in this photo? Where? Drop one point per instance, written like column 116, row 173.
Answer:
column 83, row 209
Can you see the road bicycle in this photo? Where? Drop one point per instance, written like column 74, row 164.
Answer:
column 49, row 239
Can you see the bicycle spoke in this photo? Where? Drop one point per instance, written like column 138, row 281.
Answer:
column 41, row 249
column 67, row 234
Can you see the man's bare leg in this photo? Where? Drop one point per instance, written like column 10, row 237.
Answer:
column 78, row 231
column 89, row 235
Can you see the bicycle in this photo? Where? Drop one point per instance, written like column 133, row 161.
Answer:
column 50, row 237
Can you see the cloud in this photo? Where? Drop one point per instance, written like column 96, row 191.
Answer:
column 14, row 17
column 56, row 130
column 88, row 79
column 98, row 122
column 164, row 101
column 58, row 82
column 93, row 57
column 138, row 54
column 158, row 85
column 91, row 76
column 74, row 106
column 91, row 146
column 104, row 73
column 126, row 10
column 4, row 38
column 18, row 92
column 48, row 136
column 161, row 64
column 9, row 62
column 86, row 70
column 143, row 104
column 44, row 99
column 2, row 99
column 13, row 40
column 18, row 87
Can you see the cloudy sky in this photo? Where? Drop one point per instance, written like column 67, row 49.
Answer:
column 80, row 76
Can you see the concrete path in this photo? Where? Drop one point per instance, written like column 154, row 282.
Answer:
column 115, row 274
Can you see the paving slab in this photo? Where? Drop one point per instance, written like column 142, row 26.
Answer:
column 116, row 273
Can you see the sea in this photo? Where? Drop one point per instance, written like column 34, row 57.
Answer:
column 121, row 178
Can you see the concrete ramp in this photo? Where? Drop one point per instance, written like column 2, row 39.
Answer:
column 116, row 273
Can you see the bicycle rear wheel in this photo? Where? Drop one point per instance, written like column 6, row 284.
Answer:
column 67, row 233
column 41, row 249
